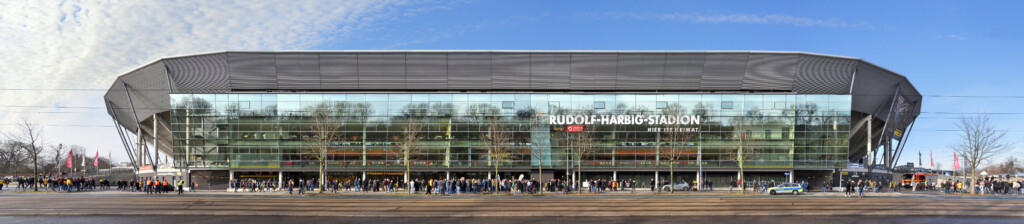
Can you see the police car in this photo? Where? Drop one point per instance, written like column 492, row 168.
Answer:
column 793, row 188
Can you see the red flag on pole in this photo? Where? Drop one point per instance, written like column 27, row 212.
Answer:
column 931, row 159
column 96, row 160
column 956, row 162
column 69, row 158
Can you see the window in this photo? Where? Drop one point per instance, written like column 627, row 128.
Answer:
column 780, row 105
column 785, row 133
column 662, row 105
column 767, row 134
column 598, row 104
column 508, row 104
column 727, row 105
column 243, row 105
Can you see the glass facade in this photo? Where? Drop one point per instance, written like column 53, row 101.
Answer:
column 277, row 130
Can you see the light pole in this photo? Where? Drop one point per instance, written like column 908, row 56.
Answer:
column 569, row 159
column 60, row 149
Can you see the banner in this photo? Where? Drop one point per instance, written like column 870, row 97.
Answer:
column 956, row 162
column 69, row 158
column 96, row 160
column 900, row 117
column 931, row 160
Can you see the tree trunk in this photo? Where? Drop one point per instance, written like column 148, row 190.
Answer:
column 740, row 160
column 974, row 179
column 579, row 175
column 322, row 166
column 672, row 177
column 496, row 177
column 540, row 176
column 407, row 166
column 35, row 173
column 743, row 189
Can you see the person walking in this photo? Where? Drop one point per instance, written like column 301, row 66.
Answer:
column 860, row 189
column 181, row 187
column 849, row 187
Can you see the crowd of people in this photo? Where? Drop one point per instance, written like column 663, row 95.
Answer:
column 253, row 185
column 66, row 184
column 1005, row 187
column 859, row 187
column 155, row 185
column 456, row 186
column 440, row 186
column 948, row 186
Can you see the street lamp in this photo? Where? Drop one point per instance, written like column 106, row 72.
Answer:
column 60, row 148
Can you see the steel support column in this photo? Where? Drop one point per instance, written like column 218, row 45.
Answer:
column 142, row 138
column 156, row 143
column 903, row 142
column 124, row 142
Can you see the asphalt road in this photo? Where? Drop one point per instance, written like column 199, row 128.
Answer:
column 561, row 220
column 123, row 208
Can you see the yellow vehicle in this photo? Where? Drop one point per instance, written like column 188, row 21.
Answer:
column 793, row 188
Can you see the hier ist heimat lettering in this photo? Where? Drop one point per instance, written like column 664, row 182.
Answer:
column 630, row 119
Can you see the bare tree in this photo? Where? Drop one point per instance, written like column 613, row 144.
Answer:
column 676, row 142
column 536, row 144
column 581, row 145
column 497, row 137
column 1009, row 166
column 411, row 136
column 744, row 143
column 979, row 142
column 327, row 129
column 58, row 152
column 30, row 137
column 12, row 157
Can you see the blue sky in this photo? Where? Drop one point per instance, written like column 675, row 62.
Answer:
column 944, row 47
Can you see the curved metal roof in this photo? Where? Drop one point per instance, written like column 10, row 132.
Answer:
column 505, row 71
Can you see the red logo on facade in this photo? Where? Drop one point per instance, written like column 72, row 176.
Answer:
column 574, row 129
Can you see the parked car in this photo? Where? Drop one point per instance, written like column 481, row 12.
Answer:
column 681, row 186
column 793, row 188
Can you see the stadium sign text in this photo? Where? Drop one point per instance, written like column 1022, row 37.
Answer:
column 623, row 119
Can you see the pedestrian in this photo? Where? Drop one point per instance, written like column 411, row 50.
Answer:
column 181, row 187
column 860, row 189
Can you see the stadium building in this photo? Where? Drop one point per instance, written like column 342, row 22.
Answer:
column 784, row 116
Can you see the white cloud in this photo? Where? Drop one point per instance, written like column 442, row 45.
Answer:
column 86, row 44
column 955, row 37
column 735, row 18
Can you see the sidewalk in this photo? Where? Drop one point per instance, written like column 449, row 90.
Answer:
column 643, row 193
